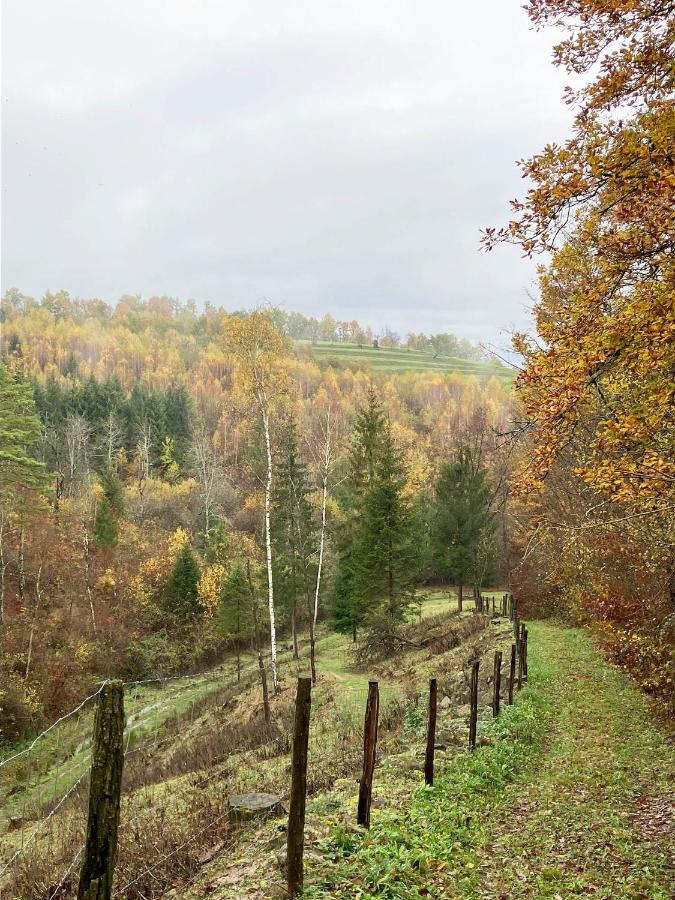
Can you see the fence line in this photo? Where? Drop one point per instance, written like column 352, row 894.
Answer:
column 41, row 825
column 279, row 741
column 65, row 875
column 51, row 727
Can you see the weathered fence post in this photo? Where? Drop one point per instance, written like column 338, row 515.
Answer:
column 521, row 648
column 512, row 673
column 369, row 749
column 431, row 733
column 496, row 683
column 473, row 700
column 296, row 813
column 105, row 786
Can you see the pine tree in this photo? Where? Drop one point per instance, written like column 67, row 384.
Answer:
column 106, row 531
column 462, row 522
column 180, row 593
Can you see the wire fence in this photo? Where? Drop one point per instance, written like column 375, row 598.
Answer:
column 181, row 764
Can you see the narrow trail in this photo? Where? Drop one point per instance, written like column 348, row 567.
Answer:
column 594, row 814
column 572, row 795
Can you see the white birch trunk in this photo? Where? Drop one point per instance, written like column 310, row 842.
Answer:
column 321, row 545
column 268, row 546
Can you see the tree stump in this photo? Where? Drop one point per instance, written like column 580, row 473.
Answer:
column 245, row 807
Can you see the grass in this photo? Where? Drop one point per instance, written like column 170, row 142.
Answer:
column 386, row 359
column 558, row 805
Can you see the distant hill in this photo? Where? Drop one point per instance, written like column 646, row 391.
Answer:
column 386, row 359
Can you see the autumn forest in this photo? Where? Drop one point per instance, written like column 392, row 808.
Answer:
column 189, row 489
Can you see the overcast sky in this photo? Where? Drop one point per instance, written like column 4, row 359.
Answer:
column 328, row 156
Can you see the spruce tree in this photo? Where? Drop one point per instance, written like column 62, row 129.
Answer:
column 462, row 522
column 293, row 533
column 19, row 432
column 234, row 610
column 112, row 490
column 105, row 524
column 180, row 593
column 387, row 542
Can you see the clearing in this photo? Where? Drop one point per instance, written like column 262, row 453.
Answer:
column 389, row 359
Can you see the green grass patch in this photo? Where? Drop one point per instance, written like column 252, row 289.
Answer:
column 549, row 808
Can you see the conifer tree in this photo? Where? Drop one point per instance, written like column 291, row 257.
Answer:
column 293, row 534
column 180, row 593
column 112, row 490
column 106, row 531
column 462, row 521
column 19, row 432
column 387, row 542
column 234, row 610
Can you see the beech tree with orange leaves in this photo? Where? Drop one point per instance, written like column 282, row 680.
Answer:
column 603, row 206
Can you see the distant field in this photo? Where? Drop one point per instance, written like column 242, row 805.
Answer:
column 401, row 360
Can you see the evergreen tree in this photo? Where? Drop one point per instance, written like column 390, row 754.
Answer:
column 105, row 524
column 387, row 542
column 234, row 610
column 372, row 485
column 177, row 422
column 112, row 490
column 19, row 432
column 462, row 522
column 366, row 443
column 293, row 534
column 180, row 593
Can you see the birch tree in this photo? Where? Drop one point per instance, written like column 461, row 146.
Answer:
column 257, row 347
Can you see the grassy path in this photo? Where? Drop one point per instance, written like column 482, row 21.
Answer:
column 572, row 796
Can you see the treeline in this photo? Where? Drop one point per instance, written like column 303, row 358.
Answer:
column 162, row 315
column 150, row 523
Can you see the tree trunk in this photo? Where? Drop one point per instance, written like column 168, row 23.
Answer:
column 268, row 549
column 90, row 598
column 38, row 597
column 256, row 638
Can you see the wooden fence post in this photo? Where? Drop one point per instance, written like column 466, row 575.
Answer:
column 369, row 749
column 296, row 813
column 473, row 700
column 105, row 787
column 525, row 632
column 521, row 644
column 431, row 733
column 496, row 683
column 512, row 673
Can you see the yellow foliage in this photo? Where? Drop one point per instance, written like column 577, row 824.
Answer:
column 210, row 587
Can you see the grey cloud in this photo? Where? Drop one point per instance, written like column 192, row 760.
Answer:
column 340, row 163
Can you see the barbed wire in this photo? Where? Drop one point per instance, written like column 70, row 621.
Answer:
column 42, row 734
column 41, row 825
column 70, row 868
column 166, row 856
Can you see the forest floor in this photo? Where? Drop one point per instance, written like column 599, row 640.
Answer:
column 570, row 795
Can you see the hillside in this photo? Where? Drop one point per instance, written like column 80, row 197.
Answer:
column 388, row 359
